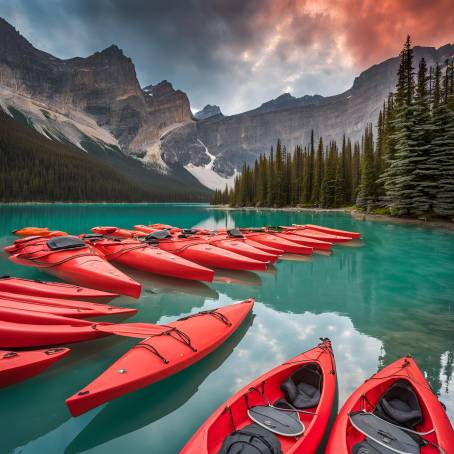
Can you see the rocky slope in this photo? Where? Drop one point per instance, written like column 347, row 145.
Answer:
column 95, row 103
column 234, row 139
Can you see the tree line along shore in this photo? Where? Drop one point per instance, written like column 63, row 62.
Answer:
column 404, row 167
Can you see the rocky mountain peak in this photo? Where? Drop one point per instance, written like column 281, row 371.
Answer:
column 163, row 88
column 207, row 112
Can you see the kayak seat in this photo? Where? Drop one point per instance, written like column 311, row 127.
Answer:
column 65, row 242
column 400, row 405
column 303, row 388
column 369, row 447
column 251, row 439
column 235, row 233
column 158, row 235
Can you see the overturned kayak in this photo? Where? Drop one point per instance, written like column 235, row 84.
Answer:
column 320, row 228
column 393, row 411
column 151, row 259
column 199, row 250
column 65, row 308
column 18, row 366
column 287, row 408
column 71, row 260
column 172, row 348
column 52, row 289
column 271, row 240
column 20, row 335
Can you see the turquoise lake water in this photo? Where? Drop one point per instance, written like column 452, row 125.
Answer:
column 379, row 299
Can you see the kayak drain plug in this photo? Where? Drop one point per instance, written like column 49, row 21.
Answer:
column 122, row 371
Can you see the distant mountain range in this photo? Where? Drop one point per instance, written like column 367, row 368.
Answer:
column 97, row 105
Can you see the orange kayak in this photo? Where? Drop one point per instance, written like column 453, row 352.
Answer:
column 38, row 231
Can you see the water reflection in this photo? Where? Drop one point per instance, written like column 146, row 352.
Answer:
column 161, row 399
column 391, row 296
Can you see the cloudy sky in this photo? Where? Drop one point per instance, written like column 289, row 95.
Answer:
column 236, row 53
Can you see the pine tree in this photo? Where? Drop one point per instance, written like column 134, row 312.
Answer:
column 426, row 172
column 366, row 193
column 328, row 187
column 339, row 188
column 398, row 179
column 443, row 143
column 356, row 171
column 318, row 174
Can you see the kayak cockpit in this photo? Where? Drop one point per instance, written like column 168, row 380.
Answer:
column 391, row 417
column 279, row 410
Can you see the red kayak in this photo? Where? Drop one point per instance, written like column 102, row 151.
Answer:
column 273, row 241
column 172, row 348
column 18, row 366
column 117, row 232
column 65, row 308
column 151, row 259
column 198, row 250
column 240, row 246
column 19, row 335
column 52, row 289
column 306, row 241
column 302, row 388
column 385, row 413
column 320, row 228
column 20, row 315
column 146, row 228
column 321, row 236
column 230, row 240
column 71, row 260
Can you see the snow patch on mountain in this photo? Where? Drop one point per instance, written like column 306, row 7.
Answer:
column 72, row 126
column 207, row 175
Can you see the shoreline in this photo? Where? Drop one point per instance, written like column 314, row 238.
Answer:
column 357, row 215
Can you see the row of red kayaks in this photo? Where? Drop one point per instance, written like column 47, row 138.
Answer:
column 164, row 250
column 286, row 409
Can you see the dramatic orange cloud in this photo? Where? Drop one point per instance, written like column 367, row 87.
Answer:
column 373, row 30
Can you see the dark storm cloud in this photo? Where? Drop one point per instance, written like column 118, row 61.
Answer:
column 235, row 53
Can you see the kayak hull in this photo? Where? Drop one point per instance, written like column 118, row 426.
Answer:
column 21, row 335
column 346, row 233
column 344, row 436
column 140, row 256
column 243, row 248
column 53, row 290
column 140, row 367
column 64, row 308
column 209, row 438
column 27, row 316
column 203, row 253
column 18, row 366
column 82, row 266
column 321, row 236
column 273, row 241
column 305, row 241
